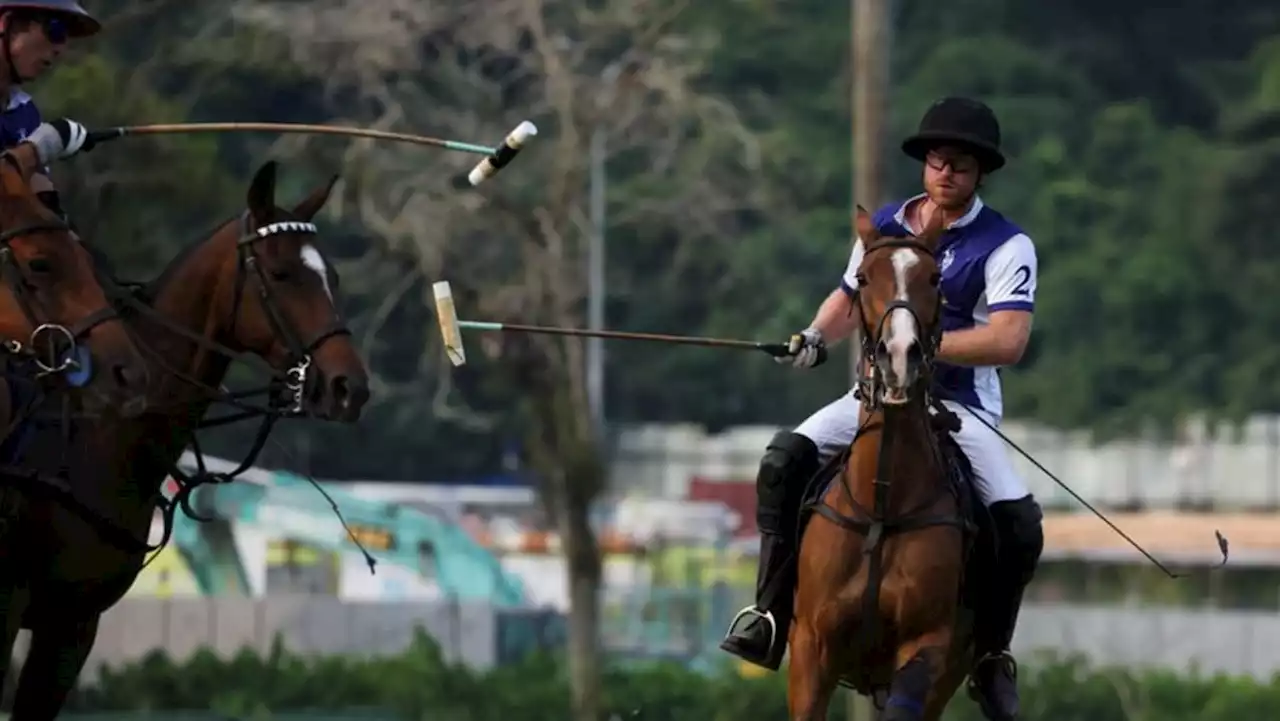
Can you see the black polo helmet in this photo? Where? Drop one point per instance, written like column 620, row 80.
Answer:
column 962, row 122
column 80, row 23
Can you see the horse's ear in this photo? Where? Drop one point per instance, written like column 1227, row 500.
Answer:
column 934, row 229
column 262, row 192
column 865, row 228
column 312, row 204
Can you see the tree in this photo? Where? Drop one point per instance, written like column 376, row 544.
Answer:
column 516, row 250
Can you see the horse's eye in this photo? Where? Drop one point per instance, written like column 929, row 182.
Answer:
column 862, row 278
column 40, row 265
column 935, row 279
column 282, row 275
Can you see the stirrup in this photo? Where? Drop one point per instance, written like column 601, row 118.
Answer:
column 1003, row 658
column 766, row 616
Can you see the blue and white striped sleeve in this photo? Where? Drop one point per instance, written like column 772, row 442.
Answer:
column 1011, row 273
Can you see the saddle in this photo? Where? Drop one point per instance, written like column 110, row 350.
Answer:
column 958, row 470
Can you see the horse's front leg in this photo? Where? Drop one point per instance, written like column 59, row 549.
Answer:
column 59, row 649
column 917, row 683
column 13, row 604
column 812, row 679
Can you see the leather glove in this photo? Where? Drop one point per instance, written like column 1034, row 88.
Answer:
column 806, row 348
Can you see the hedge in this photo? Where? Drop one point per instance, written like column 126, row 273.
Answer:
column 419, row 685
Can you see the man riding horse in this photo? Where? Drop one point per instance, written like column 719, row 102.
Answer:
column 33, row 35
column 988, row 267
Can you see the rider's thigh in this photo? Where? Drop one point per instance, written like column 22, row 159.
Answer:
column 833, row 426
column 994, row 474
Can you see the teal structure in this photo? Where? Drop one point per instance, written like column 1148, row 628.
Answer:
column 391, row 533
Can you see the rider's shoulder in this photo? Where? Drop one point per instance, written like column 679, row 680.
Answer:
column 20, row 99
column 888, row 220
column 20, row 103
column 1000, row 228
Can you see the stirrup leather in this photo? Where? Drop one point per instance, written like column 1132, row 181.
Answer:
column 752, row 611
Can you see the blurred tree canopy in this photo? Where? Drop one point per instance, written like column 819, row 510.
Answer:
column 1145, row 157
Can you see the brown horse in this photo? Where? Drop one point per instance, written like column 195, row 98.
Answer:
column 878, row 600
column 52, row 301
column 258, row 286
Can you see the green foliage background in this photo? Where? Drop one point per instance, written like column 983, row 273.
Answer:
column 419, row 685
column 1145, row 162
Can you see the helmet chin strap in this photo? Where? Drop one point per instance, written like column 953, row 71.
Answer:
column 14, row 77
column 7, row 40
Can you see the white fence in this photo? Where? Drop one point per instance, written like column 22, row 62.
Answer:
column 1237, row 469
column 1229, row 642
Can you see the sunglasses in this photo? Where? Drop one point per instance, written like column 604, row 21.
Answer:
column 55, row 29
column 959, row 164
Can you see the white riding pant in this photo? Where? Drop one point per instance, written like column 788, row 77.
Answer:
column 833, row 426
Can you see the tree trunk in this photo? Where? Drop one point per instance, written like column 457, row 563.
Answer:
column 571, row 474
column 584, row 578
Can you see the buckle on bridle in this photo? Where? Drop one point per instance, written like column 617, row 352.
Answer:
column 296, row 383
column 57, row 360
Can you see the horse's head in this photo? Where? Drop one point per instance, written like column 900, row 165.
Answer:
column 283, row 304
column 53, row 301
column 900, row 302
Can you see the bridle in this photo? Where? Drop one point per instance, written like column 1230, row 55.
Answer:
column 249, row 266
column 71, row 360
column 287, row 384
column 870, row 378
column 46, row 334
column 876, row 524
column 285, row 390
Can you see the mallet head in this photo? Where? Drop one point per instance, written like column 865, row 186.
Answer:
column 504, row 153
column 447, row 315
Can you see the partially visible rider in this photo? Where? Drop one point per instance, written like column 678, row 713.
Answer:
column 988, row 266
column 33, row 35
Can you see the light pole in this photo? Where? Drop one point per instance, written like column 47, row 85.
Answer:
column 596, row 284
column 870, row 35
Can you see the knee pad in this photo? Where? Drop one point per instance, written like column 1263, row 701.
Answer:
column 1021, row 535
column 789, row 461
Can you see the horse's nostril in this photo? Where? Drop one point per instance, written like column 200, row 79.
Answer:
column 127, row 376
column 340, row 389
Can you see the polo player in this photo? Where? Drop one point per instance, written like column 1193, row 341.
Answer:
column 33, row 35
column 988, row 267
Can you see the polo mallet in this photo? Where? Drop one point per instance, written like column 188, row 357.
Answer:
column 496, row 158
column 451, row 329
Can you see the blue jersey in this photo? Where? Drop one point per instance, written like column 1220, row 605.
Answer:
column 20, row 118
column 988, row 264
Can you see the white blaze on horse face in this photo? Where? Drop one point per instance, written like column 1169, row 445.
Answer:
column 902, row 324
column 312, row 259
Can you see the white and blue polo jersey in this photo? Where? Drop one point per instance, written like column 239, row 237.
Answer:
column 988, row 264
column 20, row 118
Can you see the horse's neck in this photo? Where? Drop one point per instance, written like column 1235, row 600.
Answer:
column 897, row 448
column 188, row 300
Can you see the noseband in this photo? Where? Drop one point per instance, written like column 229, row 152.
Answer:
column 871, row 381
